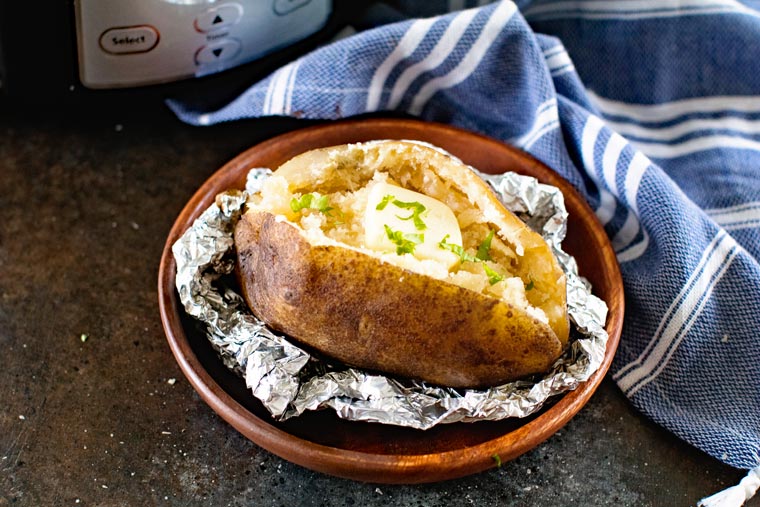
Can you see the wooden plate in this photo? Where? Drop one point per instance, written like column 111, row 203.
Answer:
column 374, row 452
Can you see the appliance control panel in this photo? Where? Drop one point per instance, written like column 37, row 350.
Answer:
column 123, row 43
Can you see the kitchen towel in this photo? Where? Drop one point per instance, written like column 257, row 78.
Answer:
column 651, row 110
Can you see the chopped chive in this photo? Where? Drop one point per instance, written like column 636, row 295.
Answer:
column 484, row 247
column 405, row 243
column 493, row 276
column 457, row 249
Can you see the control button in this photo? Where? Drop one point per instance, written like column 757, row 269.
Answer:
column 124, row 40
column 283, row 7
column 218, row 51
column 219, row 17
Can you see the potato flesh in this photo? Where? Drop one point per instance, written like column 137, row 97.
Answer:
column 345, row 225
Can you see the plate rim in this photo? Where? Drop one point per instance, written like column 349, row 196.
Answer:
column 352, row 464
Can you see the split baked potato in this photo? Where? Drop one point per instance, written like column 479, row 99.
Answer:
column 394, row 256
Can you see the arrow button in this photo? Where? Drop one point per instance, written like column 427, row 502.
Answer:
column 216, row 18
column 218, row 51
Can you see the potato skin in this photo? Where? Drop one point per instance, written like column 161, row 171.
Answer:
column 374, row 315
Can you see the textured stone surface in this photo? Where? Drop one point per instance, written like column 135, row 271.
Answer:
column 85, row 206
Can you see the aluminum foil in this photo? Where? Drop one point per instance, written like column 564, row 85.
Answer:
column 289, row 381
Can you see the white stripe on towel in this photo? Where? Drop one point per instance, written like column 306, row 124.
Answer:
column 291, row 86
column 547, row 118
column 696, row 145
column 610, row 160
column 680, row 316
column 405, row 47
column 492, row 29
column 607, row 175
column 742, row 216
column 683, row 128
column 589, row 136
column 666, row 111
column 632, row 226
column 660, row 142
column 634, row 9
column 558, row 60
column 437, row 55
column 277, row 90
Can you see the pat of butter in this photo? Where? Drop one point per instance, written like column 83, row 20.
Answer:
column 438, row 220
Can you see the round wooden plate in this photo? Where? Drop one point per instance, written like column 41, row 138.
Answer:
column 374, row 452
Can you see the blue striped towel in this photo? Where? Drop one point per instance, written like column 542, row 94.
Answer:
column 651, row 109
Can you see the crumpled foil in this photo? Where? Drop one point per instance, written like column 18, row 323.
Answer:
column 288, row 381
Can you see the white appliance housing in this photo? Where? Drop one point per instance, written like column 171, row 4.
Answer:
column 125, row 43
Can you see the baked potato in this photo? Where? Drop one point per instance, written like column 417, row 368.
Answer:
column 394, row 256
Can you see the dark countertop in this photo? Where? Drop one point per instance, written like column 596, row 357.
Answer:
column 85, row 207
